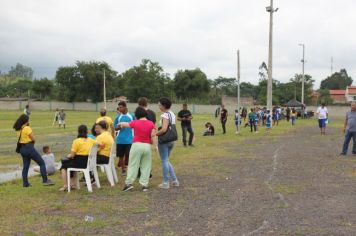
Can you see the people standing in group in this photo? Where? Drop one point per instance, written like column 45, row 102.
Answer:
column 293, row 115
column 27, row 110
column 124, row 137
column 350, row 130
column 252, row 117
column 165, row 149
column 185, row 117
column 140, row 153
column 323, row 114
column 288, row 114
column 61, row 119
column 151, row 115
column 48, row 158
column 108, row 120
column 78, row 156
column 223, row 118
column 27, row 150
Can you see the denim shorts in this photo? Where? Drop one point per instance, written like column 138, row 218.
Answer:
column 322, row 123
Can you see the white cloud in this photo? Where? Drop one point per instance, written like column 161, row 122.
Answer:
column 46, row 34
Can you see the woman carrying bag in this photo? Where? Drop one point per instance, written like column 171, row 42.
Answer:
column 167, row 134
column 25, row 146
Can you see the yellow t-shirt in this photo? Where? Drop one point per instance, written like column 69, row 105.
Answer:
column 25, row 134
column 82, row 146
column 108, row 120
column 106, row 139
column 294, row 114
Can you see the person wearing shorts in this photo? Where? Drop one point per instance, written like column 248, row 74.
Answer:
column 61, row 119
column 322, row 113
column 124, row 137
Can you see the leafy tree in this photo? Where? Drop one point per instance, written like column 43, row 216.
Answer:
column 147, row 79
column 228, row 86
column 324, row 96
column 84, row 81
column 42, row 88
column 20, row 88
column 338, row 80
column 21, row 71
column 191, row 84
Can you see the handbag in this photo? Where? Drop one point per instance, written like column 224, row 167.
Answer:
column 171, row 134
column 18, row 146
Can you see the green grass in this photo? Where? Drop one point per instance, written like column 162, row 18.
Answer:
column 44, row 210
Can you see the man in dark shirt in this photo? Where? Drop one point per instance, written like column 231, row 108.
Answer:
column 223, row 118
column 151, row 115
column 185, row 116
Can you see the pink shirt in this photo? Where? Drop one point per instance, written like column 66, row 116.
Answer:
column 142, row 130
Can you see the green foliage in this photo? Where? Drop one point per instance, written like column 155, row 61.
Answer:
column 338, row 80
column 42, row 88
column 146, row 80
column 84, row 81
column 324, row 97
column 21, row 71
column 191, row 83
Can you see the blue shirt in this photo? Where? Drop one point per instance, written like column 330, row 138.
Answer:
column 125, row 134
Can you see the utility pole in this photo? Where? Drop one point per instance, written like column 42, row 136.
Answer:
column 332, row 62
column 238, row 91
column 303, row 77
column 271, row 10
column 104, row 90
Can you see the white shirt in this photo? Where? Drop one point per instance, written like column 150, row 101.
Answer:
column 322, row 113
column 170, row 117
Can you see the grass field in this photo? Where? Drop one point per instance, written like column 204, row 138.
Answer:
column 44, row 210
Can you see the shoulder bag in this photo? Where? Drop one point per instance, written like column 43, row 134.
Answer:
column 18, row 146
column 171, row 134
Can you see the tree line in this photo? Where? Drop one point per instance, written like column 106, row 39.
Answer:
column 84, row 82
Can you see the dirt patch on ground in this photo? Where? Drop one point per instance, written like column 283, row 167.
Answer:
column 294, row 185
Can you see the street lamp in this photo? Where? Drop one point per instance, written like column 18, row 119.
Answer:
column 303, row 62
column 271, row 10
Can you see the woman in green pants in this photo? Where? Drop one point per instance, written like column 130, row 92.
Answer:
column 140, row 153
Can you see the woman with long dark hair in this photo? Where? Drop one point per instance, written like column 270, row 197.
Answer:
column 28, row 151
column 165, row 149
column 78, row 156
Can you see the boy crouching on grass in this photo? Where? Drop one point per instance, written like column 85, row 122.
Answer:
column 48, row 158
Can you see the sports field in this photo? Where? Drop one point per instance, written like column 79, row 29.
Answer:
column 285, row 182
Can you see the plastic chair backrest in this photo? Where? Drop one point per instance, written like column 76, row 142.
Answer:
column 113, row 152
column 92, row 157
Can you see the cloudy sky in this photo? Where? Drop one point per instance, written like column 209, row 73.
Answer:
column 184, row 34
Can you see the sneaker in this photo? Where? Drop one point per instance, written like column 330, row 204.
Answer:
column 164, row 186
column 123, row 173
column 128, row 187
column 27, row 185
column 144, row 189
column 175, row 183
column 191, row 145
column 48, row 183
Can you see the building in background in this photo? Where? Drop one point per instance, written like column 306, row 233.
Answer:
column 350, row 94
column 338, row 95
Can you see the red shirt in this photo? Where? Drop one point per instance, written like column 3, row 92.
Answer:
column 142, row 131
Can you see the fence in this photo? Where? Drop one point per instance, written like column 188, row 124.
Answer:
column 334, row 111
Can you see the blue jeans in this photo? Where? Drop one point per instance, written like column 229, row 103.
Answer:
column 293, row 120
column 28, row 153
column 348, row 136
column 185, row 129
column 167, row 168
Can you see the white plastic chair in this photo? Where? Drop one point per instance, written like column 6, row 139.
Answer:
column 91, row 166
column 110, row 167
